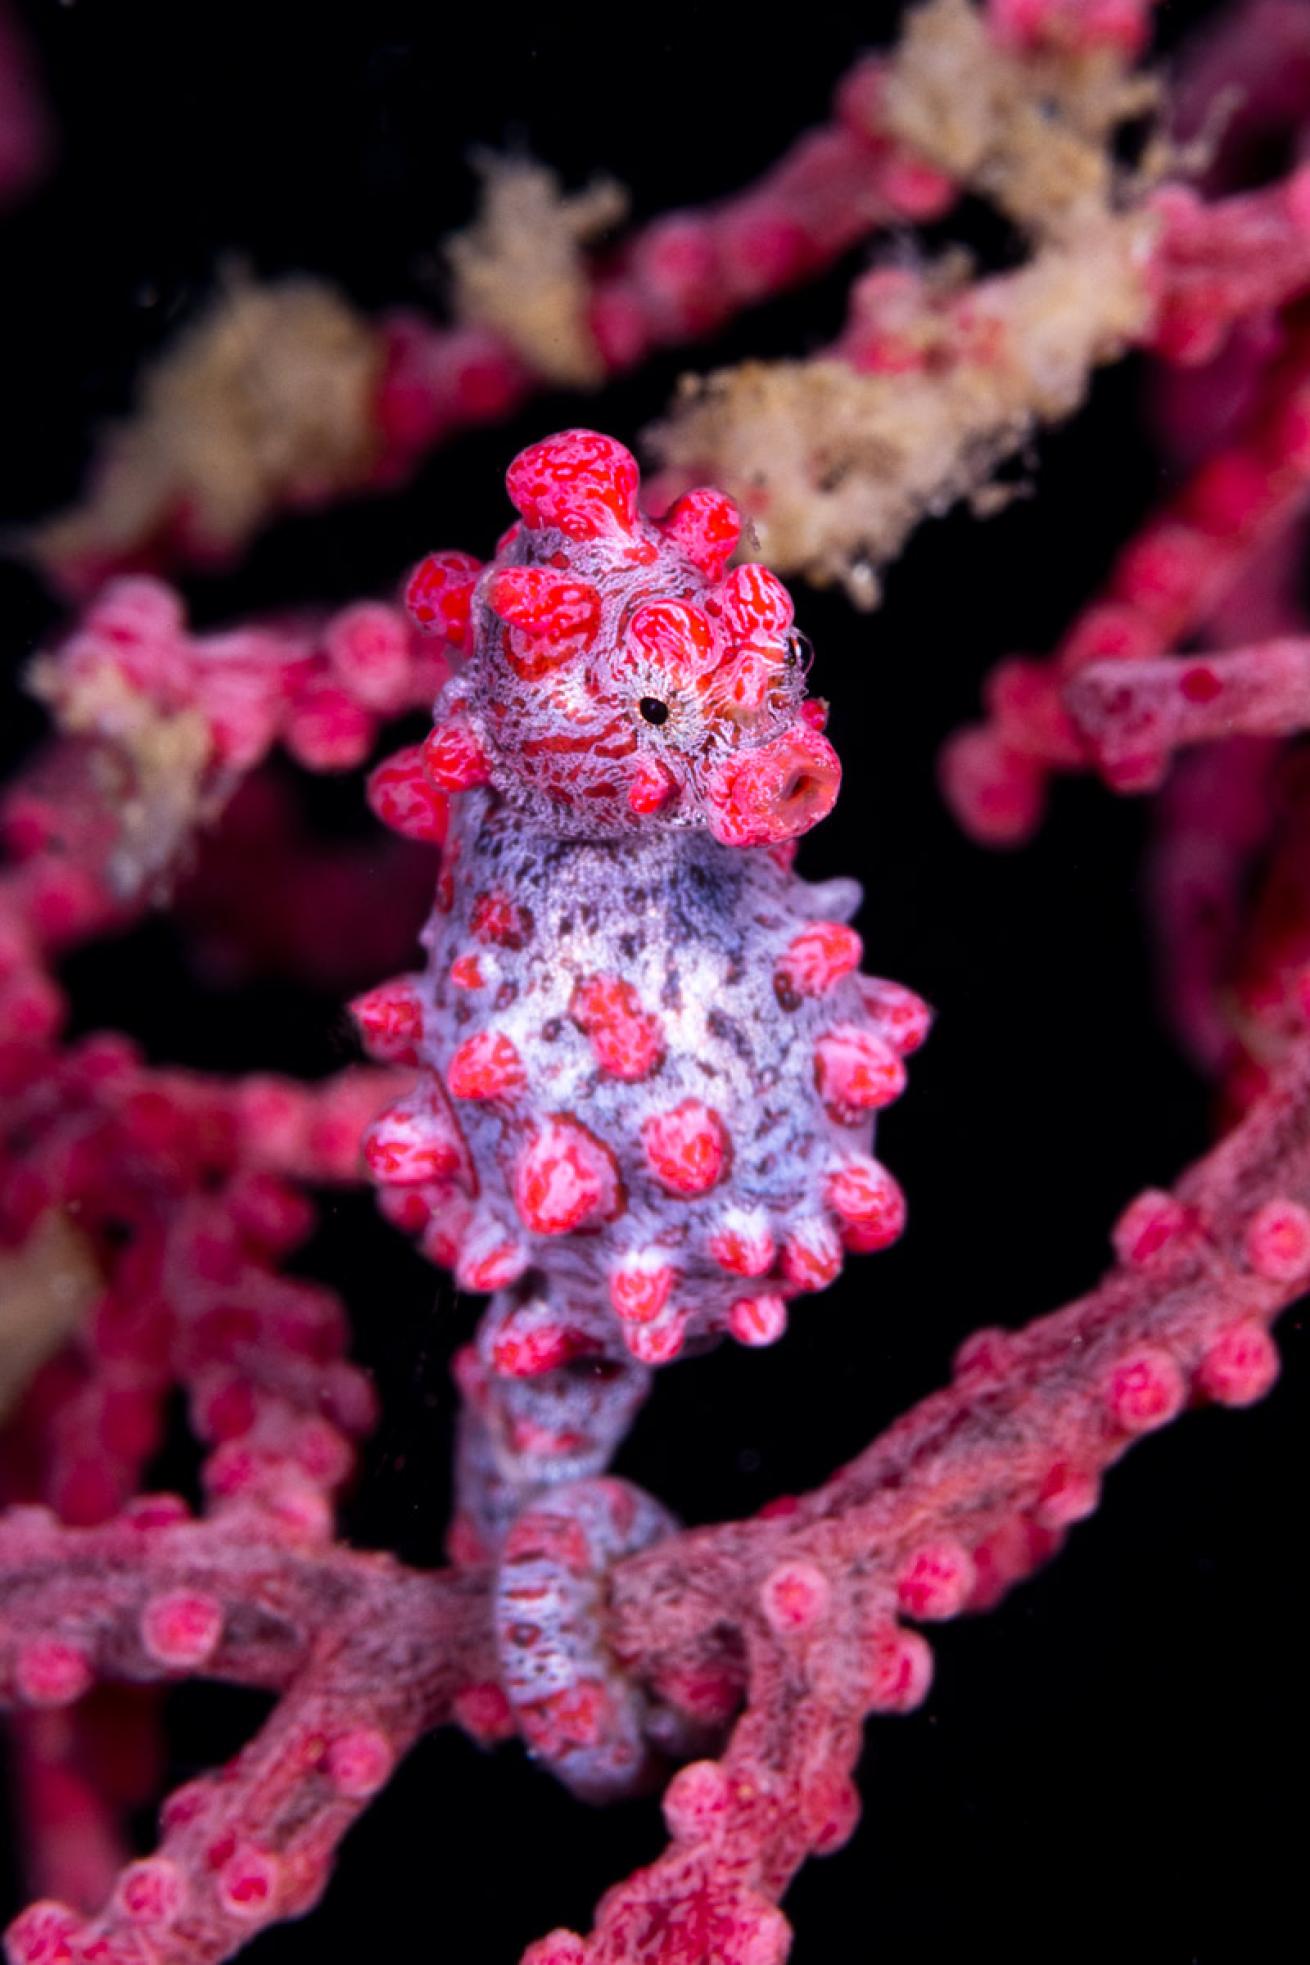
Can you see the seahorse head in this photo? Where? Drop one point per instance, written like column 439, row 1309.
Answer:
column 618, row 673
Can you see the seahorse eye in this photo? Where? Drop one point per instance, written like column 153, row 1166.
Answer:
column 800, row 652
column 654, row 710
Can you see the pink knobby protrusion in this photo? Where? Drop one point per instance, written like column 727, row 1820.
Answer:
column 1278, row 1241
column 556, row 1948
column 937, row 1581
column 551, row 618
column 367, row 647
column 688, row 1148
column 439, row 593
column 898, row 1670
column 486, row 1066
column 1068, row 1494
column 815, row 961
column 867, row 1201
column 360, row 1763
column 1148, row 1225
column 660, row 1341
column 1240, row 1366
column 326, row 728
column 627, row 1041
column 43, row 1934
column 182, row 1628
column 153, row 1891
column 795, row 1598
column 248, row 1884
column 454, row 759
column 50, row 1672
column 896, row 1012
column 676, row 634
column 402, row 794
column 390, row 1020
column 752, row 601
column 640, row 1284
column 697, row 1801
column 1146, row 1389
column 812, row 1254
column 417, row 1140
column 856, row 1072
column 758, row 1320
column 579, row 482
column 566, row 1178
column 705, row 525
column 743, row 1243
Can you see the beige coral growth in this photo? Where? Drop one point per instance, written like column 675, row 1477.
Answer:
column 520, row 269
column 265, row 401
column 153, row 767
column 836, row 459
column 46, row 1289
column 1030, row 131
column 835, row 467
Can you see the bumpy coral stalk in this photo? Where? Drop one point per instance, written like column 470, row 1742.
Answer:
column 186, row 1191
column 937, row 380
column 283, row 397
column 364, row 1655
column 960, row 1499
column 1134, row 715
column 1164, row 586
column 802, row 1611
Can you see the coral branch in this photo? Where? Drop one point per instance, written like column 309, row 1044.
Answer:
column 1165, row 585
column 963, row 1497
column 283, row 396
column 935, row 380
column 933, row 385
column 1133, row 716
column 1228, row 261
column 1215, row 817
column 46, row 1289
column 367, row 1656
column 803, row 1608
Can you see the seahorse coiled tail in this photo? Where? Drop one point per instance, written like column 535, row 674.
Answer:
column 649, row 1063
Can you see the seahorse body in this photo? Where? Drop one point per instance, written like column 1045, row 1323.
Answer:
column 649, row 1063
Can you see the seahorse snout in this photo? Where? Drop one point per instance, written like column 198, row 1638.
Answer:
column 774, row 792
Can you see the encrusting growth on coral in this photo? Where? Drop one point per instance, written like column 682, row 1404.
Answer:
column 254, row 376
column 265, row 401
column 46, row 1289
column 519, row 268
column 936, row 380
column 933, row 385
column 1026, row 118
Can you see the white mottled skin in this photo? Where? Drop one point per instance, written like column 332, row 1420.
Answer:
column 611, row 888
column 696, row 929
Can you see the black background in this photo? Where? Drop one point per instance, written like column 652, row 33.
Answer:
column 1109, row 1765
